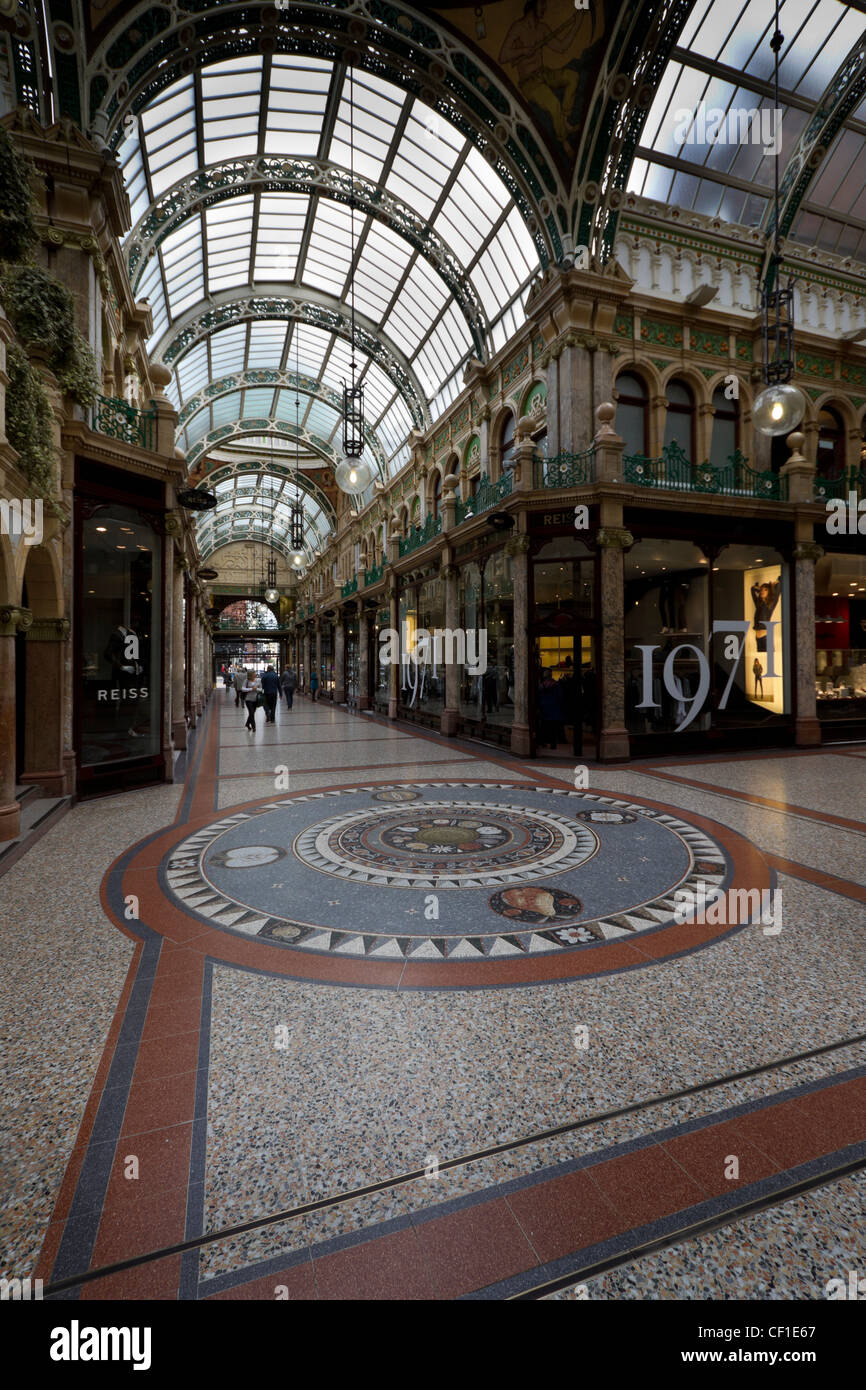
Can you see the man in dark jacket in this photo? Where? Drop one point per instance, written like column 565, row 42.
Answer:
column 271, row 692
column 290, row 680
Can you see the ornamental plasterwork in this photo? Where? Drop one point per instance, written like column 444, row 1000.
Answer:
column 233, row 177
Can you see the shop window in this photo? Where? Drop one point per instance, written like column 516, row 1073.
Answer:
column 121, row 622
column 632, row 413
column 726, row 428
column 840, row 637
column 680, row 422
column 563, row 579
column 436, row 499
column 831, row 444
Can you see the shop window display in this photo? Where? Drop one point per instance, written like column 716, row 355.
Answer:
column 121, row 618
column 840, row 637
column 706, row 644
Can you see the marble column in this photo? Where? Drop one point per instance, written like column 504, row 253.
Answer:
column 306, row 655
column 364, row 701
column 318, row 656
column 518, row 549
column 450, row 717
column 807, row 726
column 613, row 745
column 12, row 620
column 339, row 660
column 44, row 656
column 394, row 668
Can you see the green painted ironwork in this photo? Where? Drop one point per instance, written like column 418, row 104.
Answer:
column 832, row 489
column 421, row 535
column 566, row 470
column 487, row 495
column 349, row 588
column 372, row 576
column 673, row 470
column 120, row 420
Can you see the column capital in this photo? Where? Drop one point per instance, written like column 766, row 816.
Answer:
column 518, row 545
column 808, row 550
column 49, row 630
column 14, row 619
column 614, row 538
column 448, row 571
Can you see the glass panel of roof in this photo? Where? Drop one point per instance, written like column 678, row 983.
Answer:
column 227, row 350
column 151, row 289
column 296, row 109
column 267, row 341
column 329, row 255
column 281, row 225
column 231, row 94
column 193, row 371
column 226, row 408
column 377, row 107
column 322, row 419
column 258, row 402
column 229, row 231
column 380, row 269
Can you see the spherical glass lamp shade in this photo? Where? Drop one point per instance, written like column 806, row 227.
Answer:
column 297, row 561
column 779, row 409
column 353, row 475
column 271, row 595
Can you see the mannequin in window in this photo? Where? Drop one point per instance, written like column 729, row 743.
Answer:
column 122, row 651
column 765, row 597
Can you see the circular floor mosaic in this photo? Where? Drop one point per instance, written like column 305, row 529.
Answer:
column 459, row 872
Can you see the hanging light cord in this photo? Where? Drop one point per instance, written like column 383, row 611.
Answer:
column 352, row 207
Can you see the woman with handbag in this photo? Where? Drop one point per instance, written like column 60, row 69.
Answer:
column 252, row 699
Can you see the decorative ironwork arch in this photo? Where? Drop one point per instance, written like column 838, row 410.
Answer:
column 279, row 174
column 308, row 306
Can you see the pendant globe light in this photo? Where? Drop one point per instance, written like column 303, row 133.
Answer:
column 353, row 474
column 780, row 406
column 297, row 555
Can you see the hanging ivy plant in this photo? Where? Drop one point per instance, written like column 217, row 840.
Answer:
column 42, row 312
column 17, row 228
column 28, row 422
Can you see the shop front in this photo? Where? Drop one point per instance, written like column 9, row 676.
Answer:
column 119, row 629
column 707, row 633
column 563, row 645
column 840, row 639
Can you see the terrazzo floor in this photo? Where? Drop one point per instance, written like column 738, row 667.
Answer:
column 256, row 1077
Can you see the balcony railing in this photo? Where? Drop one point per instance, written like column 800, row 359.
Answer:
column 120, row 420
column 827, row 489
column 349, row 588
column 672, row 470
column 487, row 495
column 372, row 576
column 432, row 527
column 566, row 470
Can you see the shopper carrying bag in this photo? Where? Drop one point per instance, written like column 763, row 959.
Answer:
column 252, row 692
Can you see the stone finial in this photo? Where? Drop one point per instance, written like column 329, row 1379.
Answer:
column 450, row 482
column 795, row 443
column 604, row 414
column 160, row 377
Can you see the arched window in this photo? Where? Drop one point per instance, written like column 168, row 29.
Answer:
column 680, row 424
column 436, row 499
column 506, row 443
column 831, row 444
column 726, row 428
column 632, row 413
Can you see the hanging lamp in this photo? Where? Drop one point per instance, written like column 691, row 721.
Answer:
column 353, row 474
column 780, row 406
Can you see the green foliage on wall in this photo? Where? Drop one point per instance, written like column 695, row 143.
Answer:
column 17, row 228
column 42, row 312
column 28, row 421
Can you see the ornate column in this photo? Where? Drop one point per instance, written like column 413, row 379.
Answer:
column 613, row 740
column 45, row 658
column 394, row 668
column 364, row 700
column 306, row 658
column 318, row 657
column 12, row 620
column 518, row 549
column 450, row 716
column 339, row 659
column 807, row 726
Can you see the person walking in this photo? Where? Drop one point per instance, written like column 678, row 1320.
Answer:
column 271, row 692
column 251, row 692
column 240, row 682
column 290, row 680
column 314, row 686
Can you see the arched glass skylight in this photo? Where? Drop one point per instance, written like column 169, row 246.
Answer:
column 255, row 506
column 440, row 271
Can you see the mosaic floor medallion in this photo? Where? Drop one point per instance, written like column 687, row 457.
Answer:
column 460, row 872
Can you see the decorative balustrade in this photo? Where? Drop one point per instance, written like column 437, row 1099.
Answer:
column 349, row 588
column 566, row 470
column 486, row 496
column 672, row 470
column 120, row 420
column 832, row 489
column 372, row 576
column 432, row 527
